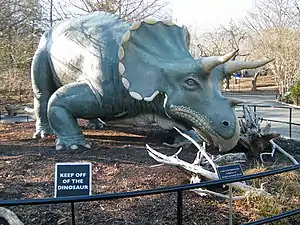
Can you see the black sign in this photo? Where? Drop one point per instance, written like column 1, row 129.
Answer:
column 73, row 179
column 230, row 171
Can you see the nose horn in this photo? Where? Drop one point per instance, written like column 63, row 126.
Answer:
column 208, row 63
column 234, row 66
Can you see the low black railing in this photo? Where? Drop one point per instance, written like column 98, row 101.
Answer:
column 178, row 189
column 290, row 120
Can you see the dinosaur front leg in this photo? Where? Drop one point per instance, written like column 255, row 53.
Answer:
column 68, row 103
column 43, row 88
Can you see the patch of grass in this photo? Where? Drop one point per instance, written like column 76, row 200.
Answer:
column 284, row 195
column 264, row 206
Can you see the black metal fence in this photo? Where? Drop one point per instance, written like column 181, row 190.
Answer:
column 290, row 122
column 178, row 189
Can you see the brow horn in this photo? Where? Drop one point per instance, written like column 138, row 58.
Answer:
column 234, row 101
column 234, row 66
column 208, row 63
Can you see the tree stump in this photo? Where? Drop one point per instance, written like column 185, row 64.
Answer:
column 254, row 137
column 11, row 111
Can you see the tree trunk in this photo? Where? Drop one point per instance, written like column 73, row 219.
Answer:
column 253, row 82
column 51, row 13
column 227, row 81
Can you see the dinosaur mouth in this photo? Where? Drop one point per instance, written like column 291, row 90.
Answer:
column 199, row 122
column 202, row 125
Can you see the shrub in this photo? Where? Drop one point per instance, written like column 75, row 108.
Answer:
column 295, row 91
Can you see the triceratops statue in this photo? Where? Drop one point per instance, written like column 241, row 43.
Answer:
column 100, row 66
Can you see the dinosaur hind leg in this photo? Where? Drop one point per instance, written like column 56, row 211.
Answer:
column 43, row 87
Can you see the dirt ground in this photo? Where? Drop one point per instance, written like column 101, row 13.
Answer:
column 119, row 163
column 264, row 83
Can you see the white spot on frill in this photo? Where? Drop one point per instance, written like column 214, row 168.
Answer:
column 126, row 37
column 151, row 21
column 135, row 95
column 135, row 26
column 168, row 22
column 165, row 103
column 125, row 83
column 149, row 99
column 121, row 53
column 121, row 68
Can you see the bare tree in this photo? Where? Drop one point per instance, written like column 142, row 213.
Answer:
column 18, row 39
column 130, row 10
column 221, row 41
column 275, row 30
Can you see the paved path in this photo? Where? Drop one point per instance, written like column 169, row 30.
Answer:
column 280, row 114
column 15, row 119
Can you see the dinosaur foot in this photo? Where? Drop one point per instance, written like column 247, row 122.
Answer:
column 72, row 143
column 72, row 147
column 42, row 134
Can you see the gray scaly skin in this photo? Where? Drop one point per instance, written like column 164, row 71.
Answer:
column 98, row 66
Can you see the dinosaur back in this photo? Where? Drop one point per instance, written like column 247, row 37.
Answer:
column 85, row 47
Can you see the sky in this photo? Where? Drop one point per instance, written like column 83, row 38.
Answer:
column 206, row 15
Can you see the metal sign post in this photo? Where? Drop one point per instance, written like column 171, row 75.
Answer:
column 230, row 171
column 73, row 179
column 230, row 204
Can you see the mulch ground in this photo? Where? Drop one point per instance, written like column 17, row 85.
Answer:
column 120, row 163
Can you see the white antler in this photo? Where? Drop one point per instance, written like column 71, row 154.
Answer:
column 197, row 169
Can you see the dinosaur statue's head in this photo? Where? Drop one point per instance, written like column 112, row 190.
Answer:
column 154, row 60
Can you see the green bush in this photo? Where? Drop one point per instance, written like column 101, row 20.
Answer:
column 295, row 91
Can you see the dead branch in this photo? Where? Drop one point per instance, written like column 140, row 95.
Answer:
column 202, row 150
column 204, row 192
column 10, row 217
column 277, row 147
column 197, row 169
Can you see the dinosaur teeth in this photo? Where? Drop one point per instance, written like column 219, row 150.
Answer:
column 125, row 83
column 197, row 119
column 135, row 95
column 121, row 68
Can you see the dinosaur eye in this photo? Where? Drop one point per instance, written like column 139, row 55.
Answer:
column 191, row 82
